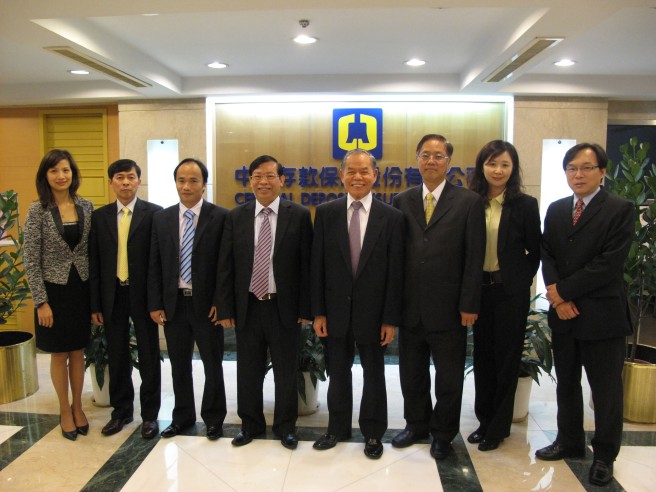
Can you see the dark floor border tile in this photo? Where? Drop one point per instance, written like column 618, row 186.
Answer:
column 34, row 427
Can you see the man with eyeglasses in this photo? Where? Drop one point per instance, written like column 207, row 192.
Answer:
column 444, row 252
column 585, row 244
column 264, row 291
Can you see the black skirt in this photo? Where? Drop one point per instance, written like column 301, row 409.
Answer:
column 71, row 315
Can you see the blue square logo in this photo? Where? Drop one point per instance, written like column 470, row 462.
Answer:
column 357, row 129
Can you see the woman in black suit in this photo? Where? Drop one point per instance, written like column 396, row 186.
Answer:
column 512, row 256
column 57, row 266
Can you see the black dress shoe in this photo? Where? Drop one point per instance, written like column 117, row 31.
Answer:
column 115, row 425
column 440, row 449
column 243, row 438
column 555, row 452
column 326, row 441
column 82, row 429
column 149, row 429
column 214, row 432
column 407, row 437
column 477, row 436
column 175, row 429
column 290, row 441
column 601, row 473
column 373, row 449
column 489, row 444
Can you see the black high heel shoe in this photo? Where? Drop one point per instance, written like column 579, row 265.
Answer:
column 84, row 429
column 71, row 435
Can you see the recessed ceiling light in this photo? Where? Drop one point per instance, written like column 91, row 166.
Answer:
column 217, row 64
column 565, row 62
column 305, row 39
column 415, row 62
column 150, row 15
column 79, row 72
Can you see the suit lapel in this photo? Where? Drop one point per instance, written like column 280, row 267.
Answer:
column 56, row 217
column 173, row 223
column 203, row 220
column 282, row 223
column 342, row 230
column 591, row 210
column 375, row 225
column 246, row 225
column 137, row 218
column 443, row 205
column 111, row 223
column 417, row 206
column 504, row 224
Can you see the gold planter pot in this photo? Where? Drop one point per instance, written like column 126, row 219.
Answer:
column 18, row 374
column 639, row 380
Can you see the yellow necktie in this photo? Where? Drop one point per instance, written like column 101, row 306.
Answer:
column 429, row 207
column 122, row 257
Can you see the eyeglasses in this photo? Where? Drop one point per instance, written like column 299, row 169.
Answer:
column 263, row 177
column 572, row 170
column 437, row 157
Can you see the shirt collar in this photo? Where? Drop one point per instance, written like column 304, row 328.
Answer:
column 586, row 199
column 120, row 206
column 274, row 206
column 365, row 201
column 195, row 209
column 436, row 192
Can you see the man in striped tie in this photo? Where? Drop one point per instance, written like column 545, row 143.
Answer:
column 263, row 286
column 182, row 296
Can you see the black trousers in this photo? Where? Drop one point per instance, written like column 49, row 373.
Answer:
column 340, row 352
column 498, row 342
column 603, row 361
column 447, row 348
column 263, row 330
column 181, row 330
column 117, row 331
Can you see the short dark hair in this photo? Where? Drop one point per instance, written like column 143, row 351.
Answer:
column 372, row 159
column 602, row 157
column 490, row 150
column 187, row 160
column 50, row 160
column 123, row 166
column 262, row 160
column 440, row 138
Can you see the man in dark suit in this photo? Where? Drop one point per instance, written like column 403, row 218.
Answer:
column 357, row 265
column 444, row 251
column 585, row 243
column 119, row 250
column 182, row 296
column 264, row 284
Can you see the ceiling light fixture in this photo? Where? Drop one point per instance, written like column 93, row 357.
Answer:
column 304, row 38
column 415, row 62
column 565, row 62
column 521, row 58
column 79, row 72
column 217, row 64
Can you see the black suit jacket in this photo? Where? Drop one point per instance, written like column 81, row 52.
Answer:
column 518, row 245
column 373, row 297
column 291, row 263
column 586, row 262
column 164, row 268
column 103, row 249
column 443, row 259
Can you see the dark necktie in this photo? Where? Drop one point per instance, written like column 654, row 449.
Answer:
column 354, row 236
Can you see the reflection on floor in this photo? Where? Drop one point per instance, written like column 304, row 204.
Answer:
column 34, row 456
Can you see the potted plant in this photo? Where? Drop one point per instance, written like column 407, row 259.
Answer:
column 17, row 348
column 311, row 369
column 634, row 178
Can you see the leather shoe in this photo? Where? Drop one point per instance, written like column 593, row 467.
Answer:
column 214, row 432
column 373, row 449
column 115, row 425
column 601, row 473
column 489, row 444
column 555, row 452
column 407, row 437
column 174, row 429
column 290, row 441
column 149, row 429
column 477, row 436
column 326, row 441
column 243, row 438
column 440, row 449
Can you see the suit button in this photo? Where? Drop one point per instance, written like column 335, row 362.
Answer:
column 348, row 298
column 425, row 239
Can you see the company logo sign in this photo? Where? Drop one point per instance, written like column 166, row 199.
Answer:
column 357, row 129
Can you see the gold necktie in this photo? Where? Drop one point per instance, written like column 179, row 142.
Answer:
column 429, row 207
column 122, row 257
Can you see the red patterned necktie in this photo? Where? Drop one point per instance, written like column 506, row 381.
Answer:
column 578, row 211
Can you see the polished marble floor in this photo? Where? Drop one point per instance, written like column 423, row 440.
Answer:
column 35, row 457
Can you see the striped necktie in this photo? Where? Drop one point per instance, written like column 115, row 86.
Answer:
column 187, row 246
column 260, row 278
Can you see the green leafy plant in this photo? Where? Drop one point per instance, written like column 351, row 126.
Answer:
column 13, row 284
column 311, row 359
column 634, row 178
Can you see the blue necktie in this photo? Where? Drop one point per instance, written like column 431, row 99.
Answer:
column 187, row 246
